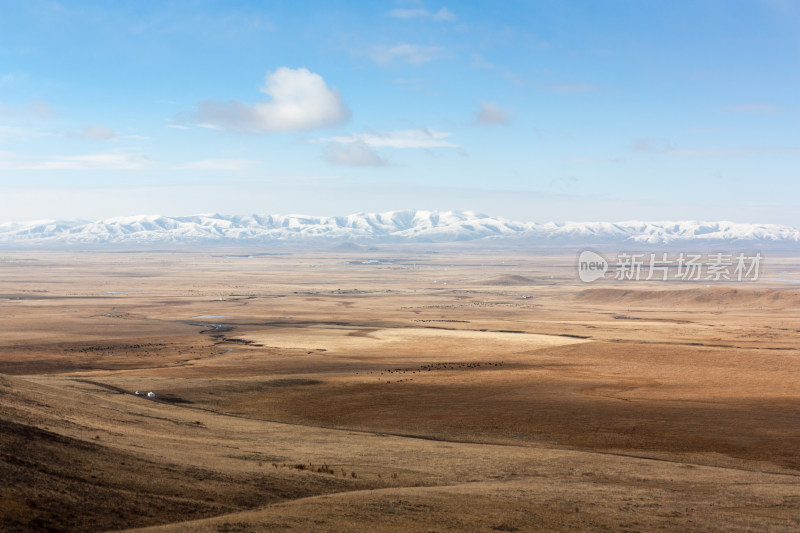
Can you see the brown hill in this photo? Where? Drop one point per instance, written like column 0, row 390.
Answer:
column 711, row 297
column 55, row 482
column 510, row 280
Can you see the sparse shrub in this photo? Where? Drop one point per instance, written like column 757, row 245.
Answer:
column 353, row 475
column 325, row 469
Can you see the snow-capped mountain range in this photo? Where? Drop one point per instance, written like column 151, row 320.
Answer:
column 392, row 226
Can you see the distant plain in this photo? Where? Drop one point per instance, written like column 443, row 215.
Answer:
column 425, row 388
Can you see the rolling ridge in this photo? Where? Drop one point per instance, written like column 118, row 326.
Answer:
column 391, row 226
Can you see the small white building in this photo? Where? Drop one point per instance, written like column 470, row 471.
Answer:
column 151, row 394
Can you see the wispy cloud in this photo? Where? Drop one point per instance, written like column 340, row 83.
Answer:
column 10, row 133
column 361, row 149
column 115, row 160
column 663, row 147
column 574, row 88
column 591, row 159
column 564, row 184
column 702, row 75
column 40, row 109
column 356, row 153
column 491, row 114
column 98, row 132
column 443, row 14
column 10, row 78
column 478, row 61
column 412, row 84
column 33, row 108
column 217, row 164
column 21, row 50
column 417, row 138
column 407, row 53
column 651, row 146
column 102, row 161
column 735, row 151
column 753, row 108
column 300, row 101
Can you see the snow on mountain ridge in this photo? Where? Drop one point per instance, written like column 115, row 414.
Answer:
column 394, row 226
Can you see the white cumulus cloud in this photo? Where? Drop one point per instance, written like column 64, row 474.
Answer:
column 300, row 100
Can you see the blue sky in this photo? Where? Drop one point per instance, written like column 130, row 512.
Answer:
column 545, row 110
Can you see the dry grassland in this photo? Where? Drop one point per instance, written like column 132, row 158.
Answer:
column 432, row 389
